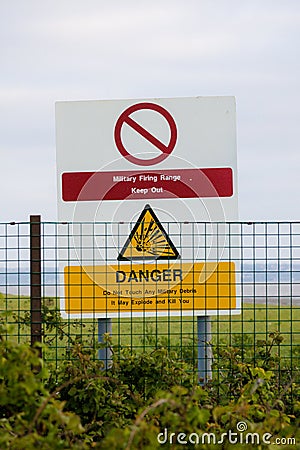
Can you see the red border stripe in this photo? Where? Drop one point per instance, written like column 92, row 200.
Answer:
column 189, row 183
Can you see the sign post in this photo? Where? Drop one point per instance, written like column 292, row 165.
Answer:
column 204, row 348
column 145, row 165
column 104, row 354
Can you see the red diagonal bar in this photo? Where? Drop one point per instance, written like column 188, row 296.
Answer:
column 142, row 131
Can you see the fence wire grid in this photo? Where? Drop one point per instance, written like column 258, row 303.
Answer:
column 267, row 288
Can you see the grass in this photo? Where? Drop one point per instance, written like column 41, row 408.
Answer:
column 255, row 322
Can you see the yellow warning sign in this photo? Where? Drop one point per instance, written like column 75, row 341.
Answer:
column 150, row 288
column 148, row 240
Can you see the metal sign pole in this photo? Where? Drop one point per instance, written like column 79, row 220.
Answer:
column 35, row 281
column 104, row 354
column 204, row 349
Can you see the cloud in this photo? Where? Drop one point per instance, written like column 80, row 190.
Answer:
column 72, row 50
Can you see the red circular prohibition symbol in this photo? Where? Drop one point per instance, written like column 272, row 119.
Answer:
column 165, row 149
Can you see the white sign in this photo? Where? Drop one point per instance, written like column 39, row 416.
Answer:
column 117, row 155
column 176, row 155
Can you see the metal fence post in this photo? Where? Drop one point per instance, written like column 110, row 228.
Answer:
column 204, row 349
column 35, row 280
column 104, row 354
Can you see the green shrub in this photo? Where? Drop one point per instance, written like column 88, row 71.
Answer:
column 145, row 398
column 29, row 415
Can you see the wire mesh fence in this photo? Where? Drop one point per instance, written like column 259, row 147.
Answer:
column 261, row 313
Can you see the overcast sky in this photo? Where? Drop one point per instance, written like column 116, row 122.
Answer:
column 80, row 50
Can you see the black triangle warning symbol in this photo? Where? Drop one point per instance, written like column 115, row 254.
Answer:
column 148, row 240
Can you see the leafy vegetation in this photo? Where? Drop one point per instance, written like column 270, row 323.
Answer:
column 146, row 399
column 29, row 415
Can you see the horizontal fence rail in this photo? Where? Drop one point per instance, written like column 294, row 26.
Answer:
column 263, row 310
